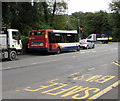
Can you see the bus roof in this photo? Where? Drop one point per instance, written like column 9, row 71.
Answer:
column 64, row 31
column 57, row 31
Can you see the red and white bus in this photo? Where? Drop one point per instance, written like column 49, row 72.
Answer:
column 53, row 40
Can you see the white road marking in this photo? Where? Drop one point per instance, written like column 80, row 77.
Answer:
column 82, row 52
column 8, row 67
column 91, row 69
column 74, row 56
column 45, row 61
column 34, row 63
column 93, row 51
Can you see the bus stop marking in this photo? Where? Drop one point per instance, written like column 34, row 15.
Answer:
column 104, row 91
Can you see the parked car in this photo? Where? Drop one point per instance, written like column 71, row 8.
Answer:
column 86, row 44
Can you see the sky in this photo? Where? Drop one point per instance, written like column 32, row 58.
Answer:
column 88, row 5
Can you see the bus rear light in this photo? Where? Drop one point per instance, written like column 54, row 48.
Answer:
column 28, row 45
column 31, row 38
column 46, row 44
column 46, row 36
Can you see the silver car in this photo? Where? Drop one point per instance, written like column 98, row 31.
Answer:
column 86, row 44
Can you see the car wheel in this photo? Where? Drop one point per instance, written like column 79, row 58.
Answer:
column 87, row 47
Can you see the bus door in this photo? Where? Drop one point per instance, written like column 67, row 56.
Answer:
column 54, row 39
column 51, row 37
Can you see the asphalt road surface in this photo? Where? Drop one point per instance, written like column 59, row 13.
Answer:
column 87, row 74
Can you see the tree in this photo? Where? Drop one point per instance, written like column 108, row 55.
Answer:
column 97, row 22
column 115, row 6
column 115, row 18
column 56, row 8
column 60, row 22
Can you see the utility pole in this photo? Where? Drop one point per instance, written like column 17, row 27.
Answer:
column 78, row 22
column 78, row 27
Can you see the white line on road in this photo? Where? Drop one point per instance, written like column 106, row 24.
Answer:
column 93, row 51
column 34, row 63
column 82, row 52
column 91, row 69
column 74, row 56
column 45, row 61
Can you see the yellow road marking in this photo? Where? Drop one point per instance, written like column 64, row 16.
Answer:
column 51, row 81
column 17, row 90
column 74, row 73
column 87, row 94
column 104, row 91
column 105, row 64
column 116, row 63
column 59, row 87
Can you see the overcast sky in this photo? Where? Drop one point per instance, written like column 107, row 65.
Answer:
column 88, row 5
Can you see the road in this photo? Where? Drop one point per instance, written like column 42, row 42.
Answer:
column 87, row 74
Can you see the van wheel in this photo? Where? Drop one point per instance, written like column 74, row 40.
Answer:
column 58, row 50
column 12, row 55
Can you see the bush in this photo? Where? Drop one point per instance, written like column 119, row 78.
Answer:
column 24, row 44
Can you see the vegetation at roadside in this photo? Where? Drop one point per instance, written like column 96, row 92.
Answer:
column 26, row 16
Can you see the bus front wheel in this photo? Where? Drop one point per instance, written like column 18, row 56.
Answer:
column 78, row 48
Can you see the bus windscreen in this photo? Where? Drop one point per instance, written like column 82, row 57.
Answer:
column 37, row 33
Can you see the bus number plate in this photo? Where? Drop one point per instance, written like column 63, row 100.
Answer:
column 37, row 44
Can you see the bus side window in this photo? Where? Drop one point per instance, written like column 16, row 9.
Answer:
column 69, row 37
column 76, row 38
column 64, row 38
column 58, row 38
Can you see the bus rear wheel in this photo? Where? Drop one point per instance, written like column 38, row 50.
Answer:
column 58, row 50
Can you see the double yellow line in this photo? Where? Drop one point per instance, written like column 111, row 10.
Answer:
column 116, row 63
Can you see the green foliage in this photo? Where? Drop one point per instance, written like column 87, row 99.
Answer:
column 97, row 22
column 24, row 44
column 115, row 19
column 24, row 16
column 115, row 6
column 60, row 22
column 52, row 15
